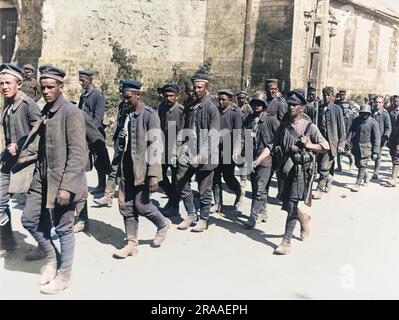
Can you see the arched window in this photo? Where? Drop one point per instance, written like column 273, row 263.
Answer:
column 373, row 45
column 393, row 51
column 349, row 42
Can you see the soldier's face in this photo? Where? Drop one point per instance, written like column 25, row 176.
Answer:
column 170, row 98
column 294, row 110
column 51, row 89
column 84, row 82
column 396, row 102
column 328, row 97
column 379, row 103
column 200, row 89
column 342, row 96
column 272, row 90
column 28, row 73
column 132, row 98
column 311, row 97
column 241, row 101
column 9, row 85
column 257, row 106
column 224, row 101
column 190, row 91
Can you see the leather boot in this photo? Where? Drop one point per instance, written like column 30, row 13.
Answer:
column 283, row 249
column 161, row 234
column 55, row 286
column 130, row 249
column 35, row 254
column 105, row 201
column 318, row 194
column 201, row 226
column 48, row 272
column 304, row 220
column 216, row 208
column 329, row 183
column 187, row 222
column 355, row 188
column 81, row 226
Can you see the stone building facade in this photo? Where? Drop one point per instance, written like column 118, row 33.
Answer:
column 351, row 44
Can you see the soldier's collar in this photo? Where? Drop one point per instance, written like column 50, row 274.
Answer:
column 57, row 104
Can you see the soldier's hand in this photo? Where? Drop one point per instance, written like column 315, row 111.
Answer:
column 63, row 198
column 236, row 158
column 255, row 164
column 153, row 184
column 341, row 150
column 12, row 149
column 195, row 161
column 122, row 134
column 295, row 149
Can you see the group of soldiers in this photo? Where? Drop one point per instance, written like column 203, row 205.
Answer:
column 46, row 156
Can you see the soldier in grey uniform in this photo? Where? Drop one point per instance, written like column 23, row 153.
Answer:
column 141, row 142
column 275, row 103
column 18, row 116
column 332, row 127
column 92, row 101
column 30, row 85
column 171, row 115
column 59, row 180
column 229, row 150
column 350, row 113
column 364, row 139
column 381, row 115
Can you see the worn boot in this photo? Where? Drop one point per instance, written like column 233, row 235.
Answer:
column 161, row 234
column 318, row 194
column 216, row 208
column 187, row 222
column 283, row 249
column 55, row 286
column 238, row 200
column 251, row 222
column 329, row 183
column 105, row 201
column 35, row 254
column 130, row 249
column 355, row 188
column 201, row 226
column 393, row 182
column 304, row 220
column 48, row 272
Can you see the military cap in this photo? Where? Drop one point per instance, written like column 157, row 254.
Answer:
column 329, row 90
column 226, row 92
column 86, row 74
column 296, row 97
column 372, row 96
column 342, row 91
column 259, row 96
column 311, row 90
column 12, row 69
column 131, row 85
column 50, row 72
column 365, row 109
column 201, row 77
column 29, row 67
column 170, row 87
column 272, row 81
column 242, row 94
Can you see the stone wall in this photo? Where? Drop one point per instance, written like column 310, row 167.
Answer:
column 157, row 34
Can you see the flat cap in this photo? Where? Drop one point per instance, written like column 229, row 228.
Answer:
column 311, row 90
column 131, row 85
column 171, row 87
column 296, row 98
column 242, row 94
column 12, row 69
column 86, row 74
column 29, row 67
column 271, row 81
column 328, row 90
column 227, row 92
column 201, row 77
column 342, row 90
column 50, row 72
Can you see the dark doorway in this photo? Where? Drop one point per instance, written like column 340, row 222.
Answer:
column 8, row 32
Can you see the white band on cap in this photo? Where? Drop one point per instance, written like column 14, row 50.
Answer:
column 51, row 76
column 13, row 73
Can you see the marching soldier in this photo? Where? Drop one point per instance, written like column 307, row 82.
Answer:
column 350, row 113
column 141, row 143
column 59, row 180
column 263, row 125
column 93, row 103
column 30, row 85
column 383, row 119
column 229, row 150
column 332, row 127
column 312, row 104
column 275, row 102
column 18, row 116
column 299, row 140
column 171, row 115
column 364, row 140
column 199, row 155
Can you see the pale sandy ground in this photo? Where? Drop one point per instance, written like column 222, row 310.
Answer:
column 352, row 253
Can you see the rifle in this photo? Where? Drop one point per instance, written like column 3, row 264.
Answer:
column 309, row 192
